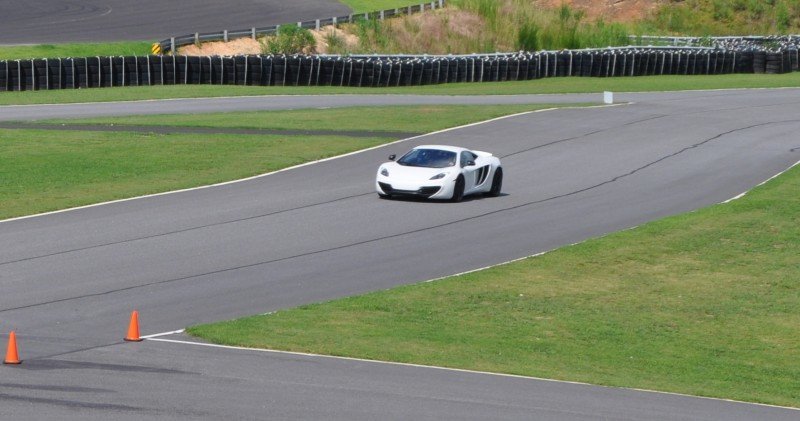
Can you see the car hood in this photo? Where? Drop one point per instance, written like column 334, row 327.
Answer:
column 402, row 172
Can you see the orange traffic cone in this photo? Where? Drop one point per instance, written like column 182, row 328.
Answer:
column 11, row 355
column 133, row 328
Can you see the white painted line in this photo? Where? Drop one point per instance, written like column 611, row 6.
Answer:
column 305, row 354
column 485, row 267
column 737, row 197
column 155, row 335
column 296, row 166
column 741, row 195
column 459, row 370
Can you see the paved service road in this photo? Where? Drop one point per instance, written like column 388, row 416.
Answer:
column 317, row 232
column 52, row 21
column 257, row 103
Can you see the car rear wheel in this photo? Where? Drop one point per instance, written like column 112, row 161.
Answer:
column 458, row 190
column 497, row 183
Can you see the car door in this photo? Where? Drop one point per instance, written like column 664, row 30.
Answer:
column 468, row 171
column 481, row 170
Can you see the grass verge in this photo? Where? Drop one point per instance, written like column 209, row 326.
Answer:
column 541, row 86
column 361, row 6
column 706, row 303
column 126, row 48
column 45, row 170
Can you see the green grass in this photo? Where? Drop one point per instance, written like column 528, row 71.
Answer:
column 127, row 48
column 412, row 118
column 361, row 6
column 49, row 170
column 706, row 303
column 724, row 17
column 43, row 170
column 541, row 86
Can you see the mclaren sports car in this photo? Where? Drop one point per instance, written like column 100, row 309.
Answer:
column 440, row 172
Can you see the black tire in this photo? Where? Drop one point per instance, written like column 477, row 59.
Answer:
column 458, row 190
column 497, row 183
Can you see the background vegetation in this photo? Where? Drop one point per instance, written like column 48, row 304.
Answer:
column 724, row 17
column 290, row 39
column 474, row 26
column 471, row 26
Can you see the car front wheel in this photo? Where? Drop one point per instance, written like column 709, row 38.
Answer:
column 458, row 190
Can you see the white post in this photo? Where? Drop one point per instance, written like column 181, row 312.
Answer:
column 253, row 33
column 225, row 35
column 334, row 21
column 608, row 97
column 317, row 24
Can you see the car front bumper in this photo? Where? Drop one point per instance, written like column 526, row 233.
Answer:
column 431, row 189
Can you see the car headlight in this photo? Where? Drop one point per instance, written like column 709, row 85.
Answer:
column 439, row 176
column 384, row 172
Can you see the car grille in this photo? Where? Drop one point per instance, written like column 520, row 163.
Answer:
column 387, row 188
column 427, row 191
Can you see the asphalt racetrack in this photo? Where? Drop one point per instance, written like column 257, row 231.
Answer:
column 69, row 280
column 51, row 21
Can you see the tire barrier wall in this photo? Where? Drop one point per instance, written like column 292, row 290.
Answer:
column 379, row 71
column 171, row 44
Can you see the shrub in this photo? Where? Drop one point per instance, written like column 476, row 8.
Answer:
column 290, row 39
column 528, row 37
column 336, row 44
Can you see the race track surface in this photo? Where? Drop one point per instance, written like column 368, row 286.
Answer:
column 318, row 232
column 52, row 21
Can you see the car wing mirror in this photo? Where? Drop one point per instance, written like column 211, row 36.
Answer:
column 392, row 157
column 470, row 164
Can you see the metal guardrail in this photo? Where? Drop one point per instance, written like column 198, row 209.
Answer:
column 170, row 45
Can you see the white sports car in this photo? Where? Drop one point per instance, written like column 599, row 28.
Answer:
column 440, row 172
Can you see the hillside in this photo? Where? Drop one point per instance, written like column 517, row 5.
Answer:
column 473, row 26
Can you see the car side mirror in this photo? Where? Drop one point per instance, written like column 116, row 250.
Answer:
column 469, row 164
column 392, row 157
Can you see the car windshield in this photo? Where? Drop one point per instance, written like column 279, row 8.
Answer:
column 429, row 158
